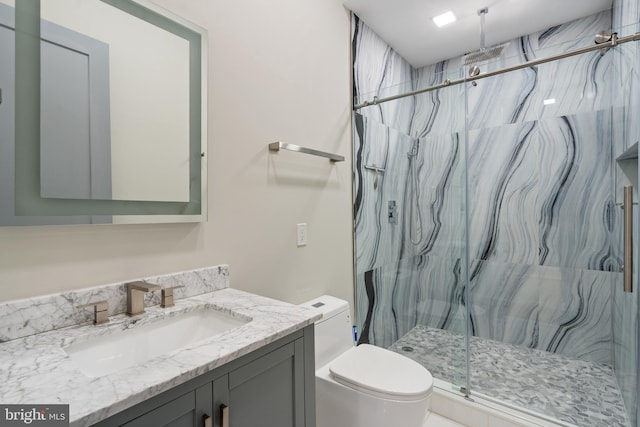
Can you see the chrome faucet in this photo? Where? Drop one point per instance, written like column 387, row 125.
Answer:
column 135, row 296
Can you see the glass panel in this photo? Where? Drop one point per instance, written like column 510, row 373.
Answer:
column 626, row 133
column 544, row 239
column 410, row 226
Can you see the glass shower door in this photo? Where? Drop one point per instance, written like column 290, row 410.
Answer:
column 488, row 223
column 410, row 229
column 545, row 232
column 625, row 296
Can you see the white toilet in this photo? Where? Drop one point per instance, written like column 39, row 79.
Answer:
column 363, row 386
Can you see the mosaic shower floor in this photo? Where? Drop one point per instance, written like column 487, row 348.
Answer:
column 575, row 391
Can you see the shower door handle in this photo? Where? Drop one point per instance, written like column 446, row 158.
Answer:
column 627, row 267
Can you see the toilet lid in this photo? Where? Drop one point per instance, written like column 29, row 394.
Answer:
column 382, row 372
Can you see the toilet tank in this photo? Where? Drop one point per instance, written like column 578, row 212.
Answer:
column 333, row 332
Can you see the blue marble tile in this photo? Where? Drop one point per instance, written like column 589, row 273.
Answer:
column 380, row 71
column 625, row 13
column 558, row 310
column 431, row 286
column 575, row 313
column 381, row 172
column 503, row 192
column 427, row 189
column 504, row 303
column 580, row 83
column 442, row 111
column 379, row 325
column 542, row 193
column 436, row 198
column 577, row 212
column 503, row 99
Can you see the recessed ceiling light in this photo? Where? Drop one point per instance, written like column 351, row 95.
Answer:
column 444, row 19
column 549, row 101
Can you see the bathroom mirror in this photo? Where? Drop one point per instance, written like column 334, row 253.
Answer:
column 109, row 114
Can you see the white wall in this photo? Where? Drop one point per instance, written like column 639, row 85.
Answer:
column 278, row 70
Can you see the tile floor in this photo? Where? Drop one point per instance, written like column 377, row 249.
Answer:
column 570, row 390
column 435, row 420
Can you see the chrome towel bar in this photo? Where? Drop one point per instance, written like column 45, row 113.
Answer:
column 278, row 145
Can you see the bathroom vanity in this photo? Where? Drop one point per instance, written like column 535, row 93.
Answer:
column 218, row 355
column 268, row 387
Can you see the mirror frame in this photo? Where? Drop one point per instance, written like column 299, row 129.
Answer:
column 28, row 201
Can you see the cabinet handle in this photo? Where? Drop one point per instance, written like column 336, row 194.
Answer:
column 224, row 409
column 208, row 421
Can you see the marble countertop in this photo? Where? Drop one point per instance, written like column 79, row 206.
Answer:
column 36, row 369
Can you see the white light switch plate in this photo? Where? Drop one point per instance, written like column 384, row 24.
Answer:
column 301, row 234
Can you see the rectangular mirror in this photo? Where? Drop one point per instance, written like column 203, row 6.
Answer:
column 109, row 113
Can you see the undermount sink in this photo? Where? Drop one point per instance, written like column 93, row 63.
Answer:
column 107, row 354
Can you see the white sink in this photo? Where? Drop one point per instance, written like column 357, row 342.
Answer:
column 107, row 354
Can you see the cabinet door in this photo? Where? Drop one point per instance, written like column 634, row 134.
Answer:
column 267, row 392
column 187, row 410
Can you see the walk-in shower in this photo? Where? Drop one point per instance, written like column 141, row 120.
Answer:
column 503, row 273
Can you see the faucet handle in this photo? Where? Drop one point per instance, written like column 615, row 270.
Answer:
column 100, row 311
column 167, row 296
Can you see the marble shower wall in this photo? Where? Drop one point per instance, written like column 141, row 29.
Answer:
column 409, row 269
column 542, row 224
column 544, row 229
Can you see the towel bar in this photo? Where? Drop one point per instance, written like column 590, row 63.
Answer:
column 276, row 146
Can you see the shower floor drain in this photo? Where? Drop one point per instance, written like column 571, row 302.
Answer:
column 407, row 349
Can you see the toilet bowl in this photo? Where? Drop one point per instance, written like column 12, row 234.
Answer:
column 363, row 386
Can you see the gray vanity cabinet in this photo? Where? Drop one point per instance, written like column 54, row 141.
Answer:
column 183, row 411
column 273, row 386
column 263, row 392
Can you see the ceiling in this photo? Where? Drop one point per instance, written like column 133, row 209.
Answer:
column 407, row 27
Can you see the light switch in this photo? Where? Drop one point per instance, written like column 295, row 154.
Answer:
column 301, row 234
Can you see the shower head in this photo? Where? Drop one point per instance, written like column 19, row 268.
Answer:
column 483, row 54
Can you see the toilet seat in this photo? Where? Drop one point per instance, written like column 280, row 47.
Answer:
column 379, row 372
